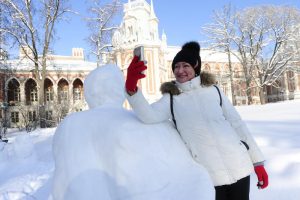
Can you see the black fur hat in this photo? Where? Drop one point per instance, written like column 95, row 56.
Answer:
column 190, row 53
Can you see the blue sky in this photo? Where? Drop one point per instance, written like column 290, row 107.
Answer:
column 180, row 19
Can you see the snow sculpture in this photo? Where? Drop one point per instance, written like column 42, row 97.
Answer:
column 107, row 153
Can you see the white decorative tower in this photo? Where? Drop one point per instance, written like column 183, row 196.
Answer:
column 140, row 24
column 140, row 27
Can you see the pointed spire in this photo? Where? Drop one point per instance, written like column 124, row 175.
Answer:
column 152, row 14
column 164, row 36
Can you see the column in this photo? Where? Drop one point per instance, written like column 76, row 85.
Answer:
column 297, row 87
column 70, row 95
column 22, row 93
column 286, row 88
column 55, row 94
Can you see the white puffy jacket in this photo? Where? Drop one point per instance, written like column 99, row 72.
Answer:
column 213, row 133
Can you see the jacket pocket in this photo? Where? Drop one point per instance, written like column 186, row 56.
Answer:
column 245, row 144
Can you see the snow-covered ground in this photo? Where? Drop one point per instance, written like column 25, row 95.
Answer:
column 276, row 128
column 27, row 166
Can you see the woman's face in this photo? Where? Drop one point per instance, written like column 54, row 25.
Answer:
column 183, row 72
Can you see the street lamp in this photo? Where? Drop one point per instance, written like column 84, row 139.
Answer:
column 4, row 107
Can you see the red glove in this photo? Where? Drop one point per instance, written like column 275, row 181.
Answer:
column 262, row 176
column 134, row 73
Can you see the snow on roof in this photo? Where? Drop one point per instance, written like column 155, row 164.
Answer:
column 64, row 63
column 215, row 56
column 75, row 63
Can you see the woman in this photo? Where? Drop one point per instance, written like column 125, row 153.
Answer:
column 208, row 123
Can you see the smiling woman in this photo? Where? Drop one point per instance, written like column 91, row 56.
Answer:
column 187, row 63
column 228, row 152
column 184, row 72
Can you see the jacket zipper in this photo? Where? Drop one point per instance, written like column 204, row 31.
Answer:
column 231, row 179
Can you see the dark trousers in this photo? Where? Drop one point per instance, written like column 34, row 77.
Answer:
column 236, row 191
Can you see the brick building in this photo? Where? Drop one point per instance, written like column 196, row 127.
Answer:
column 63, row 89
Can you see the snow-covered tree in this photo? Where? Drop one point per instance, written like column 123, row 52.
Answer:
column 31, row 25
column 5, row 72
column 260, row 38
column 250, row 29
column 220, row 33
column 101, row 25
column 276, row 56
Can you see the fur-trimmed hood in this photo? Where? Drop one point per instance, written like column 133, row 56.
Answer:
column 207, row 79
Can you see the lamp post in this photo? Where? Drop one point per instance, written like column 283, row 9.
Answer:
column 4, row 124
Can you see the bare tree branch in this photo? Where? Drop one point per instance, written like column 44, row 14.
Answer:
column 34, row 33
column 101, row 27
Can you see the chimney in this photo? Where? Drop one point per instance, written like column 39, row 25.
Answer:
column 78, row 53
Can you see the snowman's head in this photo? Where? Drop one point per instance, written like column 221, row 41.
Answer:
column 104, row 86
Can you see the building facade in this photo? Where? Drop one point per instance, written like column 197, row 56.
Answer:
column 63, row 89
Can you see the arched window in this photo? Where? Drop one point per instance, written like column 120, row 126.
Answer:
column 63, row 90
column 77, row 90
column 13, row 92
column 48, row 89
column 217, row 69
column 31, row 91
